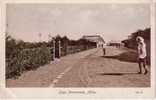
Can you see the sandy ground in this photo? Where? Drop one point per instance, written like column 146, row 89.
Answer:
column 118, row 68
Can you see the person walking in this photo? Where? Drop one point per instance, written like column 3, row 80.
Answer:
column 104, row 49
column 141, row 54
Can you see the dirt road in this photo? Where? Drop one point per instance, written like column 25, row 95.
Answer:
column 118, row 68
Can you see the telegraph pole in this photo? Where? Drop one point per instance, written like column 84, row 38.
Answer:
column 40, row 37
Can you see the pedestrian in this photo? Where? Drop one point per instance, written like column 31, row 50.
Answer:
column 104, row 48
column 141, row 54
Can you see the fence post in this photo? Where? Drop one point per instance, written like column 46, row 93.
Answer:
column 65, row 48
column 59, row 45
column 57, row 49
column 54, row 49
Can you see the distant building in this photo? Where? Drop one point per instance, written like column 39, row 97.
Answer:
column 95, row 38
column 115, row 43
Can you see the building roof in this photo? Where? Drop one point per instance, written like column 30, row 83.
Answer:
column 93, row 38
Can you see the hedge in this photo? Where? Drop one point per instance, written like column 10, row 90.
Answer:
column 27, row 59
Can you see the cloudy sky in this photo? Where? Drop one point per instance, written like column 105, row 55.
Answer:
column 111, row 21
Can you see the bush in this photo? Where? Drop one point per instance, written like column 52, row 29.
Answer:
column 27, row 59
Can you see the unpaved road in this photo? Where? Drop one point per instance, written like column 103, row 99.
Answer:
column 118, row 68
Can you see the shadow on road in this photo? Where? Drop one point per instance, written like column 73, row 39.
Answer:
column 118, row 74
column 129, row 56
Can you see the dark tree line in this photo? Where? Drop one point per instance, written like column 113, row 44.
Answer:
column 65, row 40
column 131, row 41
column 13, row 45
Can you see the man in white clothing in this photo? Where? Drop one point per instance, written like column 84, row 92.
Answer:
column 104, row 49
column 141, row 54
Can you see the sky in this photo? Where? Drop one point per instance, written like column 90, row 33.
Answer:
column 111, row 21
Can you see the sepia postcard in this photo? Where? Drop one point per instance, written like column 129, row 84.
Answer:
column 77, row 49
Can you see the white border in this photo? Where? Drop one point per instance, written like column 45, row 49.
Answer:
column 47, row 93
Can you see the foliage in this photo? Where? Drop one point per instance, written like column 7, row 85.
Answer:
column 20, row 56
column 27, row 59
